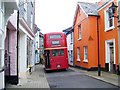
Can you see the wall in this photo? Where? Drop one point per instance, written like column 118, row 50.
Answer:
column 82, row 19
column 89, row 38
column 112, row 34
column 13, row 52
column 22, row 52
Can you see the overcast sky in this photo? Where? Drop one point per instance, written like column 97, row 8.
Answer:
column 56, row 15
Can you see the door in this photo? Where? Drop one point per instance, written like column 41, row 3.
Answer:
column 71, row 57
column 111, row 58
column 7, row 63
column 47, row 59
column 7, row 58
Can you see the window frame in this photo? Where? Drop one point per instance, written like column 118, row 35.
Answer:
column 25, row 10
column 71, row 38
column 107, row 21
column 78, row 54
column 31, row 21
column 79, row 32
column 85, row 60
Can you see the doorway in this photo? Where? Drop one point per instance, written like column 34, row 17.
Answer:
column 110, row 55
column 7, row 58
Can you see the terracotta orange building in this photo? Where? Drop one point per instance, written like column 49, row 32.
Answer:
column 108, row 37
column 85, row 36
column 95, row 37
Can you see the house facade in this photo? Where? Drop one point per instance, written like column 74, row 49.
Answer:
column 108, row 45
column 10, row 55
column 26, row 52
column 7, row 24
column 96, row 36
column 69, row 33
column 41, row 44
column 85, row 36
column 37, row 45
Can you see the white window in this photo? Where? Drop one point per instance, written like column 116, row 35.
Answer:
column 85, row 54
column 72, row 38
column 109, row 20
column 25, row 10
column 31, row 20
column 79, row 32
column 78, row 54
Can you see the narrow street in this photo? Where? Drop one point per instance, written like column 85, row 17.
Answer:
column 74, row 79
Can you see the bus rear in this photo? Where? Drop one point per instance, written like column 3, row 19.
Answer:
column 55, row 51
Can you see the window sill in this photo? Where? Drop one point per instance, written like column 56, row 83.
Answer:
column 79, row 39
column 85, row 61
column 78, row 60
column 71, row 43
column 109, row 29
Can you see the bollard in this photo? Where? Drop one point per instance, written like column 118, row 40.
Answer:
column 30, row 70
column 118, row 72
column 99, row 70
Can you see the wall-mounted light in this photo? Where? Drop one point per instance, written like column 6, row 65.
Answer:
column 112, row 9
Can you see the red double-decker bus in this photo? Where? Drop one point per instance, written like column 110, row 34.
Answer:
column 55, row 52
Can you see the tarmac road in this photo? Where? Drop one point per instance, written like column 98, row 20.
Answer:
column 73, row 79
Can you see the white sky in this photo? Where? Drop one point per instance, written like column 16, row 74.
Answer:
column 56, row 15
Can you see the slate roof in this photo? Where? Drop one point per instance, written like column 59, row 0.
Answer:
column 89, row 8
column 68, row 30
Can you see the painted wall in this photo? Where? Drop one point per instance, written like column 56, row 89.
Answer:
column 111, row 34
column 70, row 48
column 13, row 52
column 69, row 42
column 89, row 38
column 23, row 52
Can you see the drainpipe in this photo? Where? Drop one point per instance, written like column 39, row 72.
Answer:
column 17, row 45
column 119, row 37
column 99, row 66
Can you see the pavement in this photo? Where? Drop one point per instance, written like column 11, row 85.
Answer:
column 36, row 79
column 105, row 76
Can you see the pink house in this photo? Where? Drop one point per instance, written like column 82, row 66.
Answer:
column 11, row 75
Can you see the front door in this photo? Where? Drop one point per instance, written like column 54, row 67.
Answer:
column 7, row 58
column 111, row 58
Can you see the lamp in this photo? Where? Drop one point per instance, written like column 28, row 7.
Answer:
column 112, row 9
